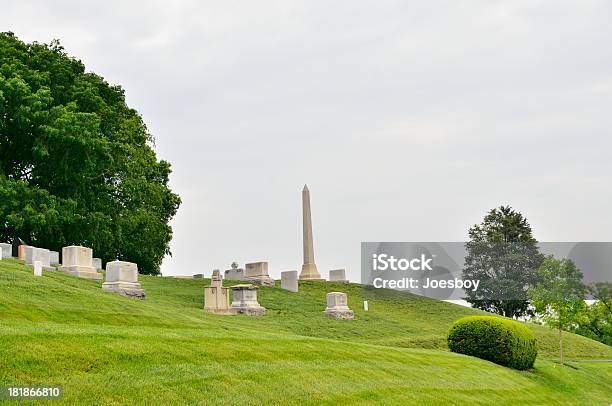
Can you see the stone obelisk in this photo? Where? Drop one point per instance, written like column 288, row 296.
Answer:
column 309, row 269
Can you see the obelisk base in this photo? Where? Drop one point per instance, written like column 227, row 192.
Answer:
column 309, row 272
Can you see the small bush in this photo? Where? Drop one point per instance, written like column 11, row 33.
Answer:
column 505, row 342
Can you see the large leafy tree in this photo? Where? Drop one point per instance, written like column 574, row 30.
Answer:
column 503, row 254
column 77, row 165
column 596, row 320
column 559, row 295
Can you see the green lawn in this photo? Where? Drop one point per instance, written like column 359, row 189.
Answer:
column 107, row 349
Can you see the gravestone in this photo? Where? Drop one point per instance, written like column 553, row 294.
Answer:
column 6, row 250
column 338, row 276
column 122, row 278
column 257, row 272
column 78, row 261
column 22, row 252
column 216, row 297
column 365, row 305
column 33, row 254
column 234, row 273
column 54, row 258
column 337, row 306
column 38, row 266
column 29, row 254
column 97, row 263
column 216, row 281
column 289, row 281
column 43, row 255
column 245, row 300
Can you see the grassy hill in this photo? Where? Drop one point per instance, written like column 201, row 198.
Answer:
column 108, row 349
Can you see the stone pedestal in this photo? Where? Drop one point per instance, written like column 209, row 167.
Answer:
column 216, row 297
column 338, row 276
column 217, row 300
column 310, row 272
column 257, row 272
column 337, row 306
column 6, row 250
column 122, row 278
column 289, row 281
column 77, row 261
column 245, row 300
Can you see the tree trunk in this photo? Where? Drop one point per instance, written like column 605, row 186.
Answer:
column 561, row 344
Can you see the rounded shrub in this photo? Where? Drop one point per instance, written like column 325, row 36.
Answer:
column 505, row 342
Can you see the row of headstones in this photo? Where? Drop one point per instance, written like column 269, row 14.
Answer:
column 121, row 276
column 257, row 272
column 244, row 299
column 30, row 255
column 337, row 302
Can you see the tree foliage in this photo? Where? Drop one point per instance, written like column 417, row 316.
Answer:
column 77, row 165
column 559, row 296
column 504, row 256
column 595, row 321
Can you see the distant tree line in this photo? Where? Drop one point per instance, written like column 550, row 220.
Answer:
column 518, row 281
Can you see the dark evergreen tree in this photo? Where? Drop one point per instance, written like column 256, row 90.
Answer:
column 504, row 256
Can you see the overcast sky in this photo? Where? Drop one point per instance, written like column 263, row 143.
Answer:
column 407, row 119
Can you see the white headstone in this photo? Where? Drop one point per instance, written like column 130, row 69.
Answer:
column 256, row 269
column 122, row 278
column 54, row 258
column 33, row 254
column 365, row 305
column 29, row 255
column 96, row 263
column 77, row 261
column 289, row 281
column 6, row 250
column 257, row 272
column 37, row 268
column 337, row 306
column 338, row 276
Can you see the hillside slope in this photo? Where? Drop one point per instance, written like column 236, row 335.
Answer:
column 107, row 349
